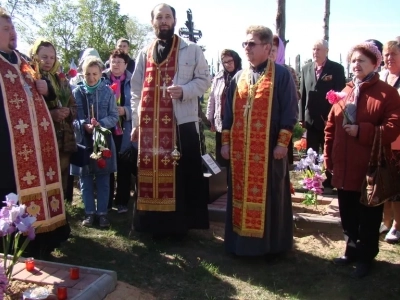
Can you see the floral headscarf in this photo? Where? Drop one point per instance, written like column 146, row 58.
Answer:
column 54, row 70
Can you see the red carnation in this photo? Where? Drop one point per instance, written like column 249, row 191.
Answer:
column 61, row 76
column 72, row 73
column 106, row 153
column 334, row 97
column 114, row 87
column 101, row 163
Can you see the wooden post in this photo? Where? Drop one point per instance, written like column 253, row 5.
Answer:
column 281, row 21
column 326, row 19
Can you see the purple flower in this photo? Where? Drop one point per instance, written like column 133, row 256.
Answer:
column 4, row 213
column 25, row 223
column 11, row 200
column 31, row 233
column 16, row 212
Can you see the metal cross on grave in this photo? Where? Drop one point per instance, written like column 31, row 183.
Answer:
column 189, row 32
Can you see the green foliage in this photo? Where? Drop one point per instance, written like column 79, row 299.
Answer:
column 310, row 199
column 297, row 131
column 74, row 26
column 138, row 34
column 25, row 15
column 100, row 25
column 60, row 28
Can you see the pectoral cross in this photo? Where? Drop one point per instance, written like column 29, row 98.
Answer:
column 164, row 88
column 246, row 109
column 27, row 89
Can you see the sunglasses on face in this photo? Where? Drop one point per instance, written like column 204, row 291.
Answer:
column 251, row 44
column 227, row 62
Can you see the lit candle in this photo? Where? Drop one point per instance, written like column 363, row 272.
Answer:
column 74, row 273
column 30, row 264
column 62, row 293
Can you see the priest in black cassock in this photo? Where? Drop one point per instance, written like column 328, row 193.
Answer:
column 30, row 165
column 260, row 113
column 170, row 75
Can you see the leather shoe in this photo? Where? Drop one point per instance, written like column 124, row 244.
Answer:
column 342, row 261
column 362, row 270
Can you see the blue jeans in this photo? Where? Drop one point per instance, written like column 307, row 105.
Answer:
column 103, row 190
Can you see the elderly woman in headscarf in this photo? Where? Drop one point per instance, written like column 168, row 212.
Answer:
column 82, row 56
column 62, row 107
column 278, row 56
column 369, row 104
column 231, row 63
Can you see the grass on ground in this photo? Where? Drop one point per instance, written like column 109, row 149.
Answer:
column 199, row 268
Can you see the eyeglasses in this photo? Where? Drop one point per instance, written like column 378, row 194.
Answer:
column 227, row 62
column 251, row 44
column 114, row 62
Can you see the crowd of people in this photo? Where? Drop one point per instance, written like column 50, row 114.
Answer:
column 141, row 117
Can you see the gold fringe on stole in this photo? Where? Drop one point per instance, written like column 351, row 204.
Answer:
column 31, row 197
column 165, row 179
column 53, row 192
column 146, row 179
column 155, row 207
column 48, row 228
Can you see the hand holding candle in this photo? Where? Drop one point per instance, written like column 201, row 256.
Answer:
column 175, row 91
column 94, row 122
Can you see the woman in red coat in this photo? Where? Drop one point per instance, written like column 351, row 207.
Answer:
column 368, row 102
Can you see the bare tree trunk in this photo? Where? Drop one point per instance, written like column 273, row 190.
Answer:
column 281, row 21
column 326, row 19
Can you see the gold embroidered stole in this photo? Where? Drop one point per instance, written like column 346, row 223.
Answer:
column 33, row 145
column 249, row 144
column 156, row 171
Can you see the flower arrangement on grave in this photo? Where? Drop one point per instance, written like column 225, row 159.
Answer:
column 313, row 175
column 15, row 223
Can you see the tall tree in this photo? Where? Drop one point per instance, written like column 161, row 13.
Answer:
column 326, row 19
column 281, row 21
column 138, row 35
column 60, row 28
column 25, row 15
column 100, row 25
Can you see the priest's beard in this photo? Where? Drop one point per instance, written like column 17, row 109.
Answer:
column 164, row 34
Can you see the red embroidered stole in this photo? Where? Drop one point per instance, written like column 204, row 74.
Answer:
column 249, row 144
column 33, row 145
column 156, row 179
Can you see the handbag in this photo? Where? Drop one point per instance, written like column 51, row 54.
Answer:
column 81, row 157
column 129, row 155
column 382, row 179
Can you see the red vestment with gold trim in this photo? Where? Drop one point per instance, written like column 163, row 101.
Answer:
column 33, row 146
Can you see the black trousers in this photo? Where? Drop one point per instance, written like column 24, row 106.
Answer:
column 124, row 173
column 290, row 152
column 360, row 226
column 69, row 192
column 316, row 141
